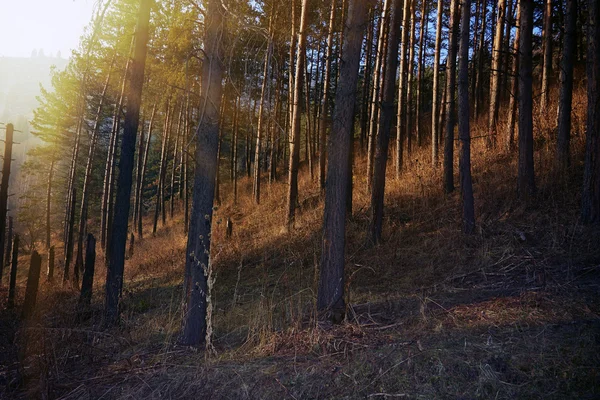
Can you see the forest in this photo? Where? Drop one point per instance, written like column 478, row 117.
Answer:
column 309, row 199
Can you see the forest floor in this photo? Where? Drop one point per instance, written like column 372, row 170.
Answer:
column 510, row 312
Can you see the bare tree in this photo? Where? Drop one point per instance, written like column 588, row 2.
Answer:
column 330, row 299
column 292, row 197
column 385, row 125
column 435, row 126
column 197, row 264
column 118, row 237
column 590, row 202
column 547, row 61
column 325, row 100
column 526, row 179
column 466, row 184
column 450, row 103
column 565, row 99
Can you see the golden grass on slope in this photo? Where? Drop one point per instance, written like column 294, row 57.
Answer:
column 414, row 302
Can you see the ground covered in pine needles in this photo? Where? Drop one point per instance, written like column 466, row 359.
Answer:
column 510, row 312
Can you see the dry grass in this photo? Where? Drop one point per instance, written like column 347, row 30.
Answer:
column 510, row 312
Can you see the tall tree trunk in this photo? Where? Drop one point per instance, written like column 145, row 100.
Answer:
column 385, row 124
column 234, row 156
column 590, row 200
column 86, row 182
column 309, row 133
column 325, row 99
column 495, row 75
column 261, row 112
column 48, row 206
column 364, row 119
column 143, row 174
column 174, row 167
column 514, row 95
column 403, row 108
column 410, row 80
column 118, row 238
column 526, row 178
column 375, row 98
column 162, row 170
column 138, row 170
column 435, row 126
column 292, row 197
column 466, row 185
column 508, row 25
column 197, row 267
column 71, row 200
column 110, row 166
column 547, row 62
column 330, row 299
column 565, row 99
column 450, row 103
column 482, row 46
column 420, row 64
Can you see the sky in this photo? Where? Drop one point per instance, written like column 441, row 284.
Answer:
column 51, row 25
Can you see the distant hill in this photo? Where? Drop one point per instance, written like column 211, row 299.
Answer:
column 20, row 80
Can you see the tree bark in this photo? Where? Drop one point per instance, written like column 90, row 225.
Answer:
column 292, row 197
column 495, row 76
column 514, row 96
column 385, row 124
column 526, row 176
column 118, row 237
column 12, row 286
column 197, row 267
column 565, row 98
column 325, row 99
column 450, row 103
column 33, row 282
column 466, row 185
column 172, row 191
column 86, row 181
column 547, row 61
column 143, row 174
column 375, row 98
column 261, row 112
column 109, row 170
column 420, row 65
column 330, row 299
column 435, row 126
column 590, row 201
column 402, row 113
column 410, row 81
column 48, row 204
column 482, row 46
column 162, row 170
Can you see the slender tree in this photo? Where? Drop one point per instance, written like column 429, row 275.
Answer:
column 526, row 178
column 450, row 103
column 118, row 237
column 512, row 105
column 590, row 201
column 375, row 98
column 325, row 100
column 565, row 99
column 385, row 124
column 330, row 300
column 495, row 75
column 197, row 265
column 547, row 60
column 435, row 126
column 292, row 197
column 401, row 114
column 466, row 185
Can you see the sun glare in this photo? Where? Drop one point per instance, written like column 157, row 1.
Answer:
column 50, row 25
